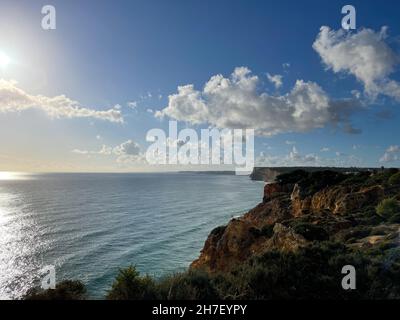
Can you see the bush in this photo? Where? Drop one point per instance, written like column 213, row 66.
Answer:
column 395, row 218
column 319, row 180
column 395, row 179
column 191, row 285
column 311, row 232
column 266, row 231
column 388, row 208
column 291, row 177
column 381, row 177
column 357, row 178
column 129, row 285
column 65, row 290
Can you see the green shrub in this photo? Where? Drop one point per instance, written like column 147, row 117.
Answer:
column 266, row 231
column 311, row 232
column 191, row 285
column 129, row 285
column 395, row 179
column 388, row 208
column 291, row 177
column 357, row 178
column 65, row 290
column 395, row 218
column 381, row 177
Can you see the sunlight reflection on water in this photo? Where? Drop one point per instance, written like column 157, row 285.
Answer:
column 18, row 247
column 8, row 175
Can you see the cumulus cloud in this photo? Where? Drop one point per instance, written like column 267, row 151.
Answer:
column 391, row 154
column 236, row 102
column 127, row 148
column 14, row 99
column 126, row 154
column 275, row 79
column 364, row 54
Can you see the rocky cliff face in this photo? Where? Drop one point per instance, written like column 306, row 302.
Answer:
column 293, row 214
column 337, row 199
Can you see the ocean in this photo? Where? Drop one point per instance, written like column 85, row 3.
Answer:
column 89, row 225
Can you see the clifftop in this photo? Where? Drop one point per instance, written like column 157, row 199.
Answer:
column 269, row 174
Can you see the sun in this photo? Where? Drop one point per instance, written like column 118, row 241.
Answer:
column 4, row 175
column 4, row 60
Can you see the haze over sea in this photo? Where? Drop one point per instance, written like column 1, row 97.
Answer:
column 90, row 225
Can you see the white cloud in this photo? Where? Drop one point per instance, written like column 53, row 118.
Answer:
column 14, row 99
column 389, row 157
column 294, row 154
column 276, row 80
column 132, row 104
column 127, row 148
column 236, row 102
column 105, row 150
column 290, row 142
column 325, row 149
column 364, row 54
column 392, row 154
column 126, row 154
column 393, row 149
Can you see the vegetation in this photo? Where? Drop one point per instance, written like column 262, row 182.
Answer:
column 311, row 232
column 311, row 182
column 312, row 273
column 65, row 290
column 129, row 285
column 388, row 208
column 395, row 179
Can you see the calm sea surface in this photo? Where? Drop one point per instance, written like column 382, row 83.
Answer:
column 89, row 225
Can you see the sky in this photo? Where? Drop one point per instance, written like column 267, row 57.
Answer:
column 82, row 97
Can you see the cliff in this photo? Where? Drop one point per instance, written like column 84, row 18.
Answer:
column 303, row 207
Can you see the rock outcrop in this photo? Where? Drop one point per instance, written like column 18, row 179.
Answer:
column 337, row 199
column 277, row 222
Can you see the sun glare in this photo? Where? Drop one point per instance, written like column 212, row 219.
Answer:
column 4, row 175
column 4, row 60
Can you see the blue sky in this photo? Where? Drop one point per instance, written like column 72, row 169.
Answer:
column 105, row 54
